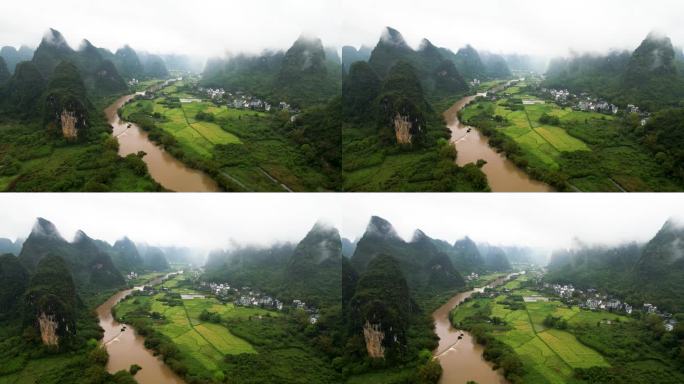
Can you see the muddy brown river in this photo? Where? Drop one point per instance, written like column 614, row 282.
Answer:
column 126, row 347
column 462, row 360
column 502, row 174
column 164, row 168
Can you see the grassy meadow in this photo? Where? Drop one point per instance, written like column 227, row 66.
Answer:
column 584, row 151
column 243, row 150
column 250, row 345
column 548, row 355
column 203, row 345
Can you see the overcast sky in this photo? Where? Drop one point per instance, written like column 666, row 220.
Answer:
column 213, row 220
column 212, row 27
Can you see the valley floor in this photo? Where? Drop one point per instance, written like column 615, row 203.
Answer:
column 251, row 345
column 517, row 314
column 241, row 148
column 583, row 151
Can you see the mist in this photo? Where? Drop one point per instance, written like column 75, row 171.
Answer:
column 210, row 221
column 214, row 27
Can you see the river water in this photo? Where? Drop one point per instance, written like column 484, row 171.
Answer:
column 462, row 360
column 164, row 168
column 502, row 174
column 126, row 347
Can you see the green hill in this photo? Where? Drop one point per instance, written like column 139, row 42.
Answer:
column 350, row 55
column 126, row 257
column 313, row 272
column 467, row 256
column 380, row 309
column 13, row 56
column 22, row 95
column 14, row 280
column 67, row 108
column 128, row 63
column 427, row 270
column 51, row 302
column 155, row 260
column 92, row 270
column 4, row 72
column 437, row 76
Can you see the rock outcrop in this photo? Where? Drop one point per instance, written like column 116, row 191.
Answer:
column 48, row 329
column 373, row 336
column 402, row 129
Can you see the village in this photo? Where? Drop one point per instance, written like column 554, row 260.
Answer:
column 592, row 299
column 586, row 103
column 250, row 297
column 241, row 100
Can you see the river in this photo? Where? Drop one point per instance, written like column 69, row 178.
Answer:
column 462, row 360
column 502, row 174
column 126, row 347
column 168, row 171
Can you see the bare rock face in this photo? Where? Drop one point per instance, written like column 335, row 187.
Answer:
column 69, row 122
column 402, row 129
column 48, row 329
column 373, row 336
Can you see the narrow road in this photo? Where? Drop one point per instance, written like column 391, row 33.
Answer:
column 275, row 180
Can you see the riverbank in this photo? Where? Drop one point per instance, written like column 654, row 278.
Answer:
column 126, row 347
column 502, row 174
column 168, row 171
column 460, row 356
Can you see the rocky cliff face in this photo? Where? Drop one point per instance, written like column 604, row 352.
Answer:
column 66, row 103
column 373, row 336
column 69, row 123
column 402, row 129
column 48, row 329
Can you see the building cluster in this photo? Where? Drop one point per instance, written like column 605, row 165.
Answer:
column 249, row 297
column 248, row 102
column 596, row 105
column 593, row 300
column 133, row 82
column 131, row 276
column 310, row 310
column 214, row 94
column 585, row 103
column 474, row 83
column 473, row 276
column 241, row 100
column 243, row 297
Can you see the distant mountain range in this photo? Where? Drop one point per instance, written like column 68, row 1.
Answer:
column 95, row 265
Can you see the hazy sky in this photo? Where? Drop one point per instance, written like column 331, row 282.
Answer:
column 213, row 220
column 212, row 27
